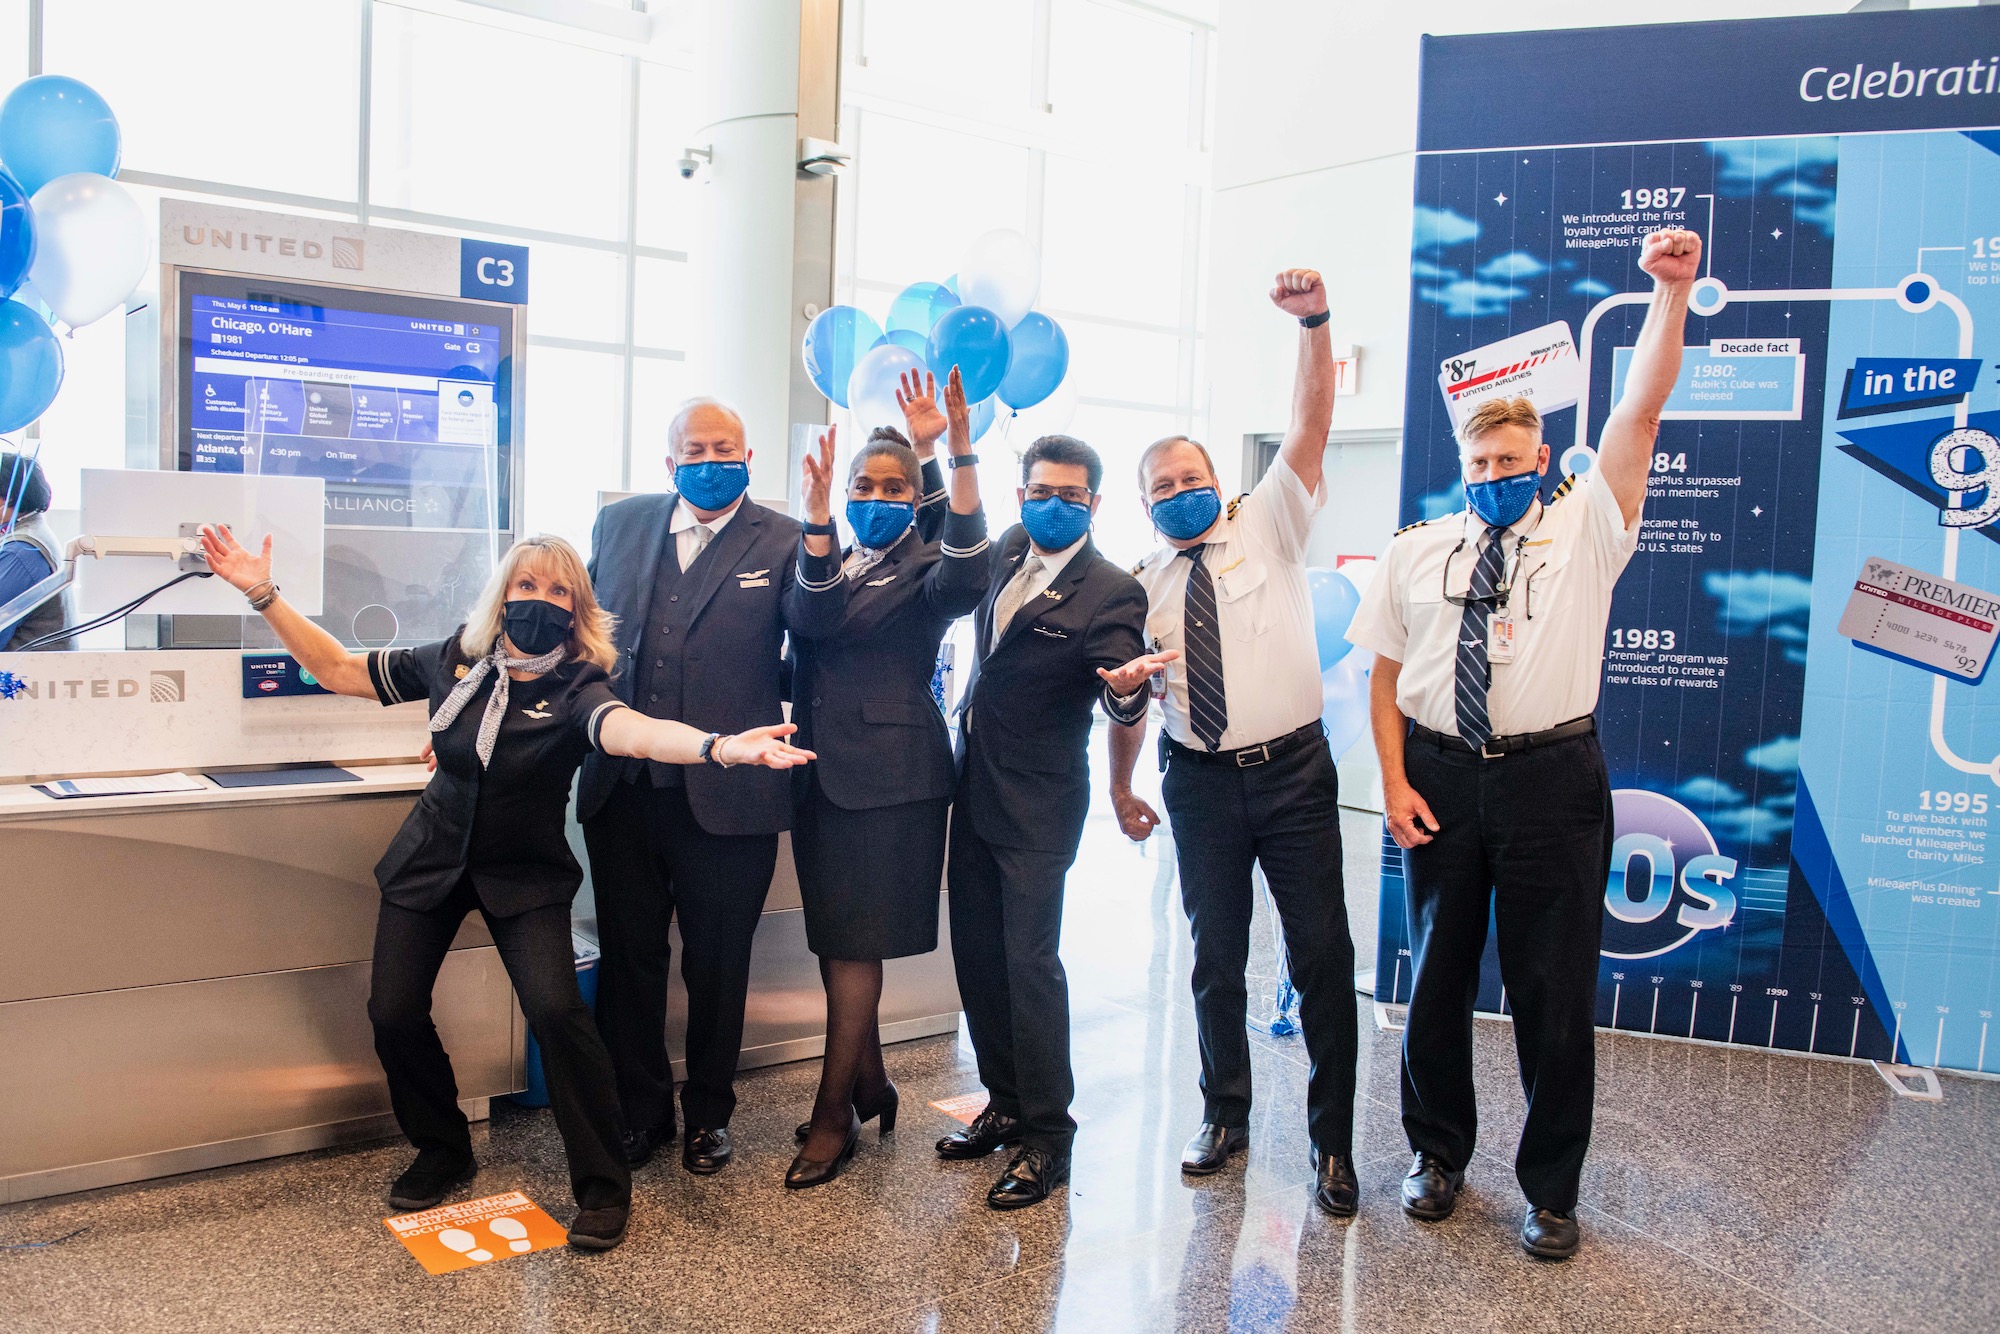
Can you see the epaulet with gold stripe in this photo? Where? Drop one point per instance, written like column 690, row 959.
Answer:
column 1568, row 485
column 1418, row 524
column 1234, row 503
column 1140, row 566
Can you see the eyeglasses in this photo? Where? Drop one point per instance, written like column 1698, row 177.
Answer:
column 1075, row 495
column 1510, row 571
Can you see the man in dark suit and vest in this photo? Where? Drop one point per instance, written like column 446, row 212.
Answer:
column 1056, row 620
column 694, row 577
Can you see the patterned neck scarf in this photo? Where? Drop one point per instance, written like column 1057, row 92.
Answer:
column 496, row 703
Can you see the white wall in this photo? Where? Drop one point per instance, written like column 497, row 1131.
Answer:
column 1316, row 122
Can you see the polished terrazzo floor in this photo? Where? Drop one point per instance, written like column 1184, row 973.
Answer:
column 1725, row 1190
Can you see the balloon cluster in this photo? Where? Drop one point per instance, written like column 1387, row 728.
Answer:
column 71, row 239
column 1343, row 669
column 1010, row 356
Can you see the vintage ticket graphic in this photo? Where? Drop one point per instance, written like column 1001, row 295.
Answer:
column 1540, row 365
column 1922, row 618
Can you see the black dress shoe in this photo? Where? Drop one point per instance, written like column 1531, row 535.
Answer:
column 989, row 1131
column 1029, row 1179
column 1336, row 1190
column 599, row 1229
column 640, row 1145
column 706, row 1152
column 1550, row 1235
column 1211, row 1146
column 806, row 1172
column 431, row 1178
column 1430, row 1190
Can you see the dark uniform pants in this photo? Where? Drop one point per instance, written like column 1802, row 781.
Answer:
column 650, row 861
column 535, row 947
column 1006, row 928
column 1526, row 837
column 1285, row 816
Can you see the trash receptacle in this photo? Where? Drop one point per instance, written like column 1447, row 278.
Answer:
column 537, row 1092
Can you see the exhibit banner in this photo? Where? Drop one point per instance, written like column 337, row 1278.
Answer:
column 1803, row 743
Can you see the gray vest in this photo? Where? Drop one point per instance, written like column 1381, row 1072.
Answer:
column 54, row 614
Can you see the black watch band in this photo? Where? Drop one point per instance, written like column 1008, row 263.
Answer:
column 962, row 460
column 708, row 755
column 1314, row 321
column 821, row 529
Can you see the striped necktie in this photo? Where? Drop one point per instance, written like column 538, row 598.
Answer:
column 1208, row 707
column 1475, row 674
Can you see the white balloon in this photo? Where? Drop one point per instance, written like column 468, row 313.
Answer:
column 871, row 389
column 92, row 246
column 1001, row 271
column 1051, row 416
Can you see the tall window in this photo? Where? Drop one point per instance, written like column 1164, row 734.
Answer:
column 1085, row 124
column 431, row 116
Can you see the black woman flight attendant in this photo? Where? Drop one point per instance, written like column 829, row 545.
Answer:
column 869, row 837
column 516, row 700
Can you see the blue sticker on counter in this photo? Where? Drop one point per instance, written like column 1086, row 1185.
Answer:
column 268, row 675
column 490, row 271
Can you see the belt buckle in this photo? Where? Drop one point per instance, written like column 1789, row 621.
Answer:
column 1263, row 754
column 1485, row 753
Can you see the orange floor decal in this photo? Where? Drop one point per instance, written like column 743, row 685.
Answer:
column 477, row 1232
column 965, row 1108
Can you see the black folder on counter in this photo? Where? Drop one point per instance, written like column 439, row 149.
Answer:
column 312, row 773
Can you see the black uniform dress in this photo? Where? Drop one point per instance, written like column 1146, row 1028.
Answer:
column 492, row 839
column 869, row 839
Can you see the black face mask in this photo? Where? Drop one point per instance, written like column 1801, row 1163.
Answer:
column 536, row 627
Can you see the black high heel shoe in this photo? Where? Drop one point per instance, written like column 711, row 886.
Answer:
column 805, row 1172
column 886, row 1108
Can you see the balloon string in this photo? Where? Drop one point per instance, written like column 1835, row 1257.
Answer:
column 17, row 485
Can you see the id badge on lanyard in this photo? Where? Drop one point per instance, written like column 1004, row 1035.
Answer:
column 1500, row 637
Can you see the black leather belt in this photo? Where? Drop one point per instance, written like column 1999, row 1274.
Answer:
column 1250, row 756
column 1507, row 745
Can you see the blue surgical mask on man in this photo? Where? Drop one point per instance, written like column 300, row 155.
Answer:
column 1501, row 502
column 878, row 523
column 1189, row 514
column 1053, row 523
column 712, row 484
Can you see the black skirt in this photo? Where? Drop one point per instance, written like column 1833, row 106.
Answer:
column 869, row 879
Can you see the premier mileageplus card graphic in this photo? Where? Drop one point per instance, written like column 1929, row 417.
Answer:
column 1924, row 619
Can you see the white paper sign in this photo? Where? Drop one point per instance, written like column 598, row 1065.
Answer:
column 1540, row 365
column 1925, row 620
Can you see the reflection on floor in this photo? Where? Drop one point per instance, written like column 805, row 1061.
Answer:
column 1725, row 1190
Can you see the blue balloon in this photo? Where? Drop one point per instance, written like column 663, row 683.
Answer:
column 1343, row 690
column 979, row 417
column 31, row 366
column 918, row 307
column 1334, row 600
column 17, row 235
column 951, row 285
column 53, row 125
column 973, row 339
column 909, row 340
column 835, row 342
column 1037, row 362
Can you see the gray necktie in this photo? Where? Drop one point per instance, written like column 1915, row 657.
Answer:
column 702, row 534
column 1013, row 595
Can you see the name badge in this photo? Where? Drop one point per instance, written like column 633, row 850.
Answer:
column 753, row 583
column 1500, row 639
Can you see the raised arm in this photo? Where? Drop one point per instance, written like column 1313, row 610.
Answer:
column 924, row 423
column 1300, row 293
column 1672, row 258
column 814, row 600
column 318, row 652
column 956, row 584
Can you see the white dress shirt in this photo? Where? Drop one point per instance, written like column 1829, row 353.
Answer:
column 1256, row 554
column 1563, row 560
column 692, row 534
column 1053, row 564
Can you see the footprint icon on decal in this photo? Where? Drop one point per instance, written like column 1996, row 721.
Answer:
column 514, row 1231
column 467, row 1245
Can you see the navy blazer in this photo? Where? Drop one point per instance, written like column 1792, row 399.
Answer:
column 866, row 650
column 732, row 657
column 1023, row 748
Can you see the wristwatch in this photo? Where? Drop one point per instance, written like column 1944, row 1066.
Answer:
column 963, row 460
column 1314, row 321
column 708, row 755
column 821, row 529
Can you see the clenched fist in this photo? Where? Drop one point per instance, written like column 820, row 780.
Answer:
column 1299, row 292
column 1671, row 256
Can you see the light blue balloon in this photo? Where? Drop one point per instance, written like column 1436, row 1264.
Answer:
column 909, row 340
column 979, row 417
column 1037, row 360
column 53, row 125
column 918, row 307
column 836, row 341
column 17, row 235
column 1335, row 599
column 31, row 365
column 1343, row 690
column 951, row 285
column 973, row 339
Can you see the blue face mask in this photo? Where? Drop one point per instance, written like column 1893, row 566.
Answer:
column 712, row 484
column 878, row 523
column 1189, row 514
column 1502, row 501
column 1054, row 523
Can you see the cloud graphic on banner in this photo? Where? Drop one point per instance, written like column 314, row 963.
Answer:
column 1779, row 755
column 1442, row 227
column 1762, row 823
column 1437, row 504
column 1757, row 600
column 1591, row 287
column 1799, row 171
column 1704, row 790
column 1423, row 268
column 1472, row 298
column 1514, row 266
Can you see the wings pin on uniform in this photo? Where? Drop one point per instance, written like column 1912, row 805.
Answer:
column 539, row 711
column 1052, row 595
column 877, row 583
column 753, row 578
